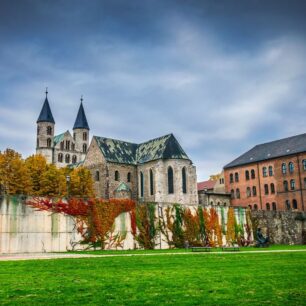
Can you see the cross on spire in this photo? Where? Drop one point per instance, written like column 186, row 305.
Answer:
column 81, row 98
column 46, row 92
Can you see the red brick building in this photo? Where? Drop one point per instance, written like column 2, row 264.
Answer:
column 270, row 176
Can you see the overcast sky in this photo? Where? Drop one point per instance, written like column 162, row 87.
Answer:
column 222, row 76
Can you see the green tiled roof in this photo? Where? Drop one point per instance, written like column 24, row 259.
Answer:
column 58, row 138
column 117, row 151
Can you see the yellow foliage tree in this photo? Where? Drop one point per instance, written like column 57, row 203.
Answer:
column 230, row 233
column 53, row 182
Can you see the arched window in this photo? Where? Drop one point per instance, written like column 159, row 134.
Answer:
column 232, row 194
column 272, row 187
column 266, row 189
column 268, row 206
column 84, row 136
column 170, row 181
column 184, row 185
column 62, row 145
column 291, row 167
column 97, row 176
column 49, row 142
column 237, row 193
column 151, row 182
column 250, row 206
column 273, row 206
column 304, row 164
column 37, row 143
column 117, row 175
column 304, row 182
column 60, row 158
column 292, row 184
column 287, row 204
column 264, row 172
column 84, row 148
column 236, row 177
column 141, row 184
column 129, row 177
column 252, row 174
column 67, row 158
column 247, row 175
column 74, row 159
column 254, row 191
column 73, row 147
column 74, row 136
column 255, row 207
column 49, row 130
column 248, row 192
column 284, row 168
column 294, row 204
column 286, row 188
column 231, row 178
column 270, row 171
column 67, row 145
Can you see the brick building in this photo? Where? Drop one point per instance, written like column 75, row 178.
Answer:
column 270, row 176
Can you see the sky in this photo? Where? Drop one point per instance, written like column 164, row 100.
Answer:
column 222, row 76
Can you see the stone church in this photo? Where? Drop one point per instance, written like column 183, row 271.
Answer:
column 158, row 170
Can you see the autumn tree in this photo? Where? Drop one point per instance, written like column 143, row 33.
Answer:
column 81, row 183
column 53, row 182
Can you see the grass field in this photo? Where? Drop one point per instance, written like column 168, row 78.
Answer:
column 204, row 279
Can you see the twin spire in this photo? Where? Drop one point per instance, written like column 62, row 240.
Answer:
column 46, row 115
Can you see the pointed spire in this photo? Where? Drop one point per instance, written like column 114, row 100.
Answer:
column 46, row 114
column 81, row 121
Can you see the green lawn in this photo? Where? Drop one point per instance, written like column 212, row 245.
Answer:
column 204, row 279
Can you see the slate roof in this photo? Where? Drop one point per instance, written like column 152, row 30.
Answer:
column 81, row 120
column 123, row 152
column 45, row 114
column 206, row 185
column 270, row 150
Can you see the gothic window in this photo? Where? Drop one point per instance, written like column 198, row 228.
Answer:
column 236, row 177
column 170, row 181
column 254, row 191
column 129, row 177
column 62, row 145
column 231, row 178
column 37, row 143
column 255, row 207
column 84, row 148
column 141, row 184
column 74, row 136
column 49, row 130
column 67, row 158
column 304, row 164
column 232, row 194
column 272, row 187
column 304, row 182
column 67, row 145
column 273, row 206
column 294, row 204
column 38, row 129
column 286, row 188
column 247, row 175
column 84, row 136
column 248, row 192
column 237, row 193
column 292, row 184
column 268, row 206
column 270, row 171
column 266, row 189
column 60, row 158
column 49, row 142
column 284, row 168
column 252, row 173
column 97, row 176
column 184, row 185
column 287, row 204
column 74, row 159
column 291, row 167
column 73, row 147
column 117, row 175
column 151, row 183
column 264, row 171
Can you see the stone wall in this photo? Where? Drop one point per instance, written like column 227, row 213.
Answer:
column 285, row 227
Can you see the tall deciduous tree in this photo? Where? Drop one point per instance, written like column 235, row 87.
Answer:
column 53, row 182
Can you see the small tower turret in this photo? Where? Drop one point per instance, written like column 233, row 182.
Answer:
column 81, row 131
column 45, row 131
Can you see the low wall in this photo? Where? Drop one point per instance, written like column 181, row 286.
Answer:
column 283, row 227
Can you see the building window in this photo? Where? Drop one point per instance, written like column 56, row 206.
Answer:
column 97, row 176
column 141, row 184
column 62, row 145
column 151, row 182
column 253, row 174
column 264, row 171
column 73, row 147
column 292, row 184
column 287, row 204
column 67, row 159
column 268, row 206
column 250, row 206
column 294, row 204
column 184, row 185
column 49, row 130
column 273, row 206
column 60, row 158
column 304, row 164
column 117, row 176
column 248, row 192
column 231, row 178
column 237, row 193
column 304, row 182
column 129, row 177
column 67, row 145
column 37, row 143
column 291, row 167
column 254, row 191
column 284, row 168
column 247, row 175
column 38, row 129
column 74, row 159
column 74, row 136
column 49, row 142
column 266, row 189
column 270, row 171
column 255, row 207
column 84, row 136
column 84, row 148
column 236, row 177
column 170, row 180
column 232, row 194
column 272, row 187
column 286, row 188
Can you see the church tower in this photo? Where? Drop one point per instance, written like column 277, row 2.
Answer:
column 45, row 131
column 81, row 131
